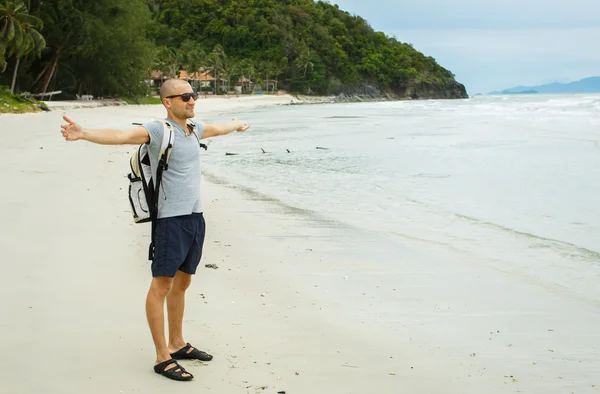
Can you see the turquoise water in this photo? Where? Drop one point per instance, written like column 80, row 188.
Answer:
column 511, row 181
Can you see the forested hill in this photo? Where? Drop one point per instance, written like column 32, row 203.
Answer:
column 108, row 47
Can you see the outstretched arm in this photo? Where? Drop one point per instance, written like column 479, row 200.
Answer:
column 216, row 129
column 73, row 132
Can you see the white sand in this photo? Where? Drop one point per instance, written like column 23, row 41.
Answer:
column 292, row 294
column 211, row 102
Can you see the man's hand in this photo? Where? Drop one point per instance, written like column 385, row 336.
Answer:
column 242, row 126
column 71, row 131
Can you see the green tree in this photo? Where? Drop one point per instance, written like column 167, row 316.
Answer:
column 19, row 35
column 62, row 21
column 303, row 62
column 248, row 70
column 167, row 61
column 193, row 56
column 108, row 47
column 214, row 62
column 279, row 68
column 231, row 71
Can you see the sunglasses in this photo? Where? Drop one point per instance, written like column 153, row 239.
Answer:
column 185, row 96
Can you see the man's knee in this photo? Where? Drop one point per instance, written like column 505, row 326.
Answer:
column 161, row 286
column 182, row 281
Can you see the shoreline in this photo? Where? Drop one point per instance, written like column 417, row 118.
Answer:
column 297, row 303
column 265, row 100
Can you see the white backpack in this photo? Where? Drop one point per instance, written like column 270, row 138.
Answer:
column 143, row 188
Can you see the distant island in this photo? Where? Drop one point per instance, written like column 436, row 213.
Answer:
column 586, row 85
column 529, row 91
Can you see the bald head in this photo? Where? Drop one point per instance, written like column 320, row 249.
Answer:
column 170, row 86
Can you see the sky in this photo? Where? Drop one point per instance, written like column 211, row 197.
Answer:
column 494, row 44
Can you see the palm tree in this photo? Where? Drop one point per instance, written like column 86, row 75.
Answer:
column 167, row 61
column 278, row 69
column 248, row 69
column 61, row 25
column 193, row 56
column 267, row 67
column 215, row 63
column 19, row 35
column 303, row 62
column 231, row 70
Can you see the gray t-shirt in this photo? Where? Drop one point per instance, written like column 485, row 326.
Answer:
column 179, row 192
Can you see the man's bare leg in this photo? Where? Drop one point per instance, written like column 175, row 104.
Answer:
column 175, row 309
column 155, row 304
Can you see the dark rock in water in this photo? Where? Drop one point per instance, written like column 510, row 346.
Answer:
column 418, row 90
column 358, row 92
column 411, row 90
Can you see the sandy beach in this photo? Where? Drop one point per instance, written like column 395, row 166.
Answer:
column 296, row 305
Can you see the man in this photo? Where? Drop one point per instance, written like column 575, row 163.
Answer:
column 180, row 227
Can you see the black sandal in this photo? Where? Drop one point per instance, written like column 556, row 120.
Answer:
column 195, row 354
column 175, row 373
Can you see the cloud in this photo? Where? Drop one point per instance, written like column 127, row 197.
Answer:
column 486, row 60
column 492, row 45
column 481, row 14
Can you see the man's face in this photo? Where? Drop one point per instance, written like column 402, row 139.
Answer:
column 179, row 107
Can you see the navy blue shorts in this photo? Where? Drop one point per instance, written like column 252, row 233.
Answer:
column 178, row 244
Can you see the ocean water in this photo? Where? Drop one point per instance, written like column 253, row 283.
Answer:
column 513, row 181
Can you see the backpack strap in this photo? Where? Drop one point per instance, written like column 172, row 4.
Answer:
column 167, row 142
column 163, row 165
column 192, row 127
